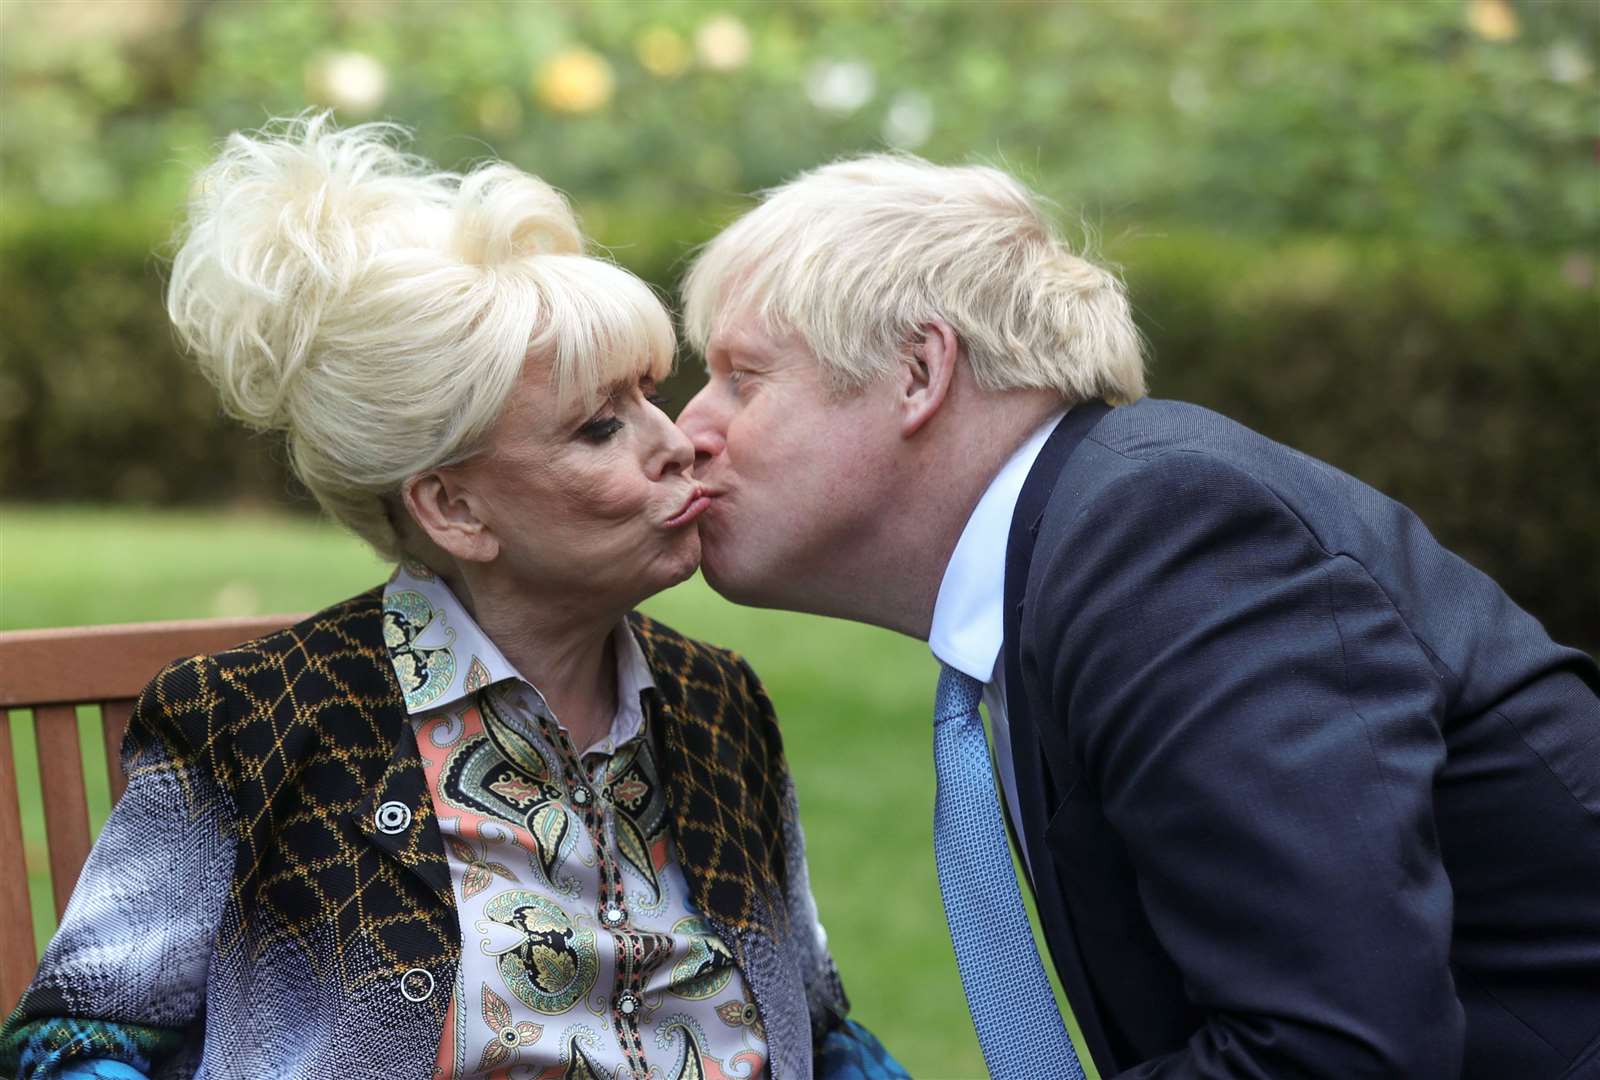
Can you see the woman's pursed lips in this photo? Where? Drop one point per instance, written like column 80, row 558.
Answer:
column 699, row 499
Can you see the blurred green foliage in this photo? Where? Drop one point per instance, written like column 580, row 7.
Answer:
column 1368, row 228
column 1450, row 119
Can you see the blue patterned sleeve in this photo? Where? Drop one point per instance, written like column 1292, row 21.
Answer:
column 101, row 1070
column 122, row 983
column 851, row 1052
column 69, row 1049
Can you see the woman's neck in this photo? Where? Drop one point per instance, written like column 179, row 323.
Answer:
column 565, row 650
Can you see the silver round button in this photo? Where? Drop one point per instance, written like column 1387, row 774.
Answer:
column 627, row 1004
column 580, row 795
column 417, row 984
column 612, row 916
column 393, row 817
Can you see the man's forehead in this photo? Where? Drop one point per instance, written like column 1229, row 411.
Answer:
column 746, row 333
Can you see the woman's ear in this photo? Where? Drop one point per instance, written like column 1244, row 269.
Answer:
column 926, row 368
column 444, row 510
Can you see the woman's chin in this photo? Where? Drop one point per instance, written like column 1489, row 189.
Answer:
column 677, row 565
column 687, row 565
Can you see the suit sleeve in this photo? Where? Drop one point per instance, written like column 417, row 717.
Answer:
column 121, row 987
column 1261, row 729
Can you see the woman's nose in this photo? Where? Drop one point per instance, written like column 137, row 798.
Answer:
column 677, row 452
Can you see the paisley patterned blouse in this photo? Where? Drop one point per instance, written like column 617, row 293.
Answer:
column 581, row 953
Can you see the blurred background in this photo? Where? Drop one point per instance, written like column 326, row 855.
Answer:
column 1368, row 229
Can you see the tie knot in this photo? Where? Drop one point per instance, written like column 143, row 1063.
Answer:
column 958, row 695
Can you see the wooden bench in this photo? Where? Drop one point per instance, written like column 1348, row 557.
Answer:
column 52, row 672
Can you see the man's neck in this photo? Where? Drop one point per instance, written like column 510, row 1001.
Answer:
column 896, row 583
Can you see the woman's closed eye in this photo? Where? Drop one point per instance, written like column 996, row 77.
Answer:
column 604, row 424
column 599, row 428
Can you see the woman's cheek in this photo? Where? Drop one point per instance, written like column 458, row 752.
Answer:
column 612, row 498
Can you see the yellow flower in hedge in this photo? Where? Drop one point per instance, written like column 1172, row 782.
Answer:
column 662, row 52
column 1493, row 20
column 723, row 43
column 575, row 80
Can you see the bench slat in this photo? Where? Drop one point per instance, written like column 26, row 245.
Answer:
column 51, row 672
column 93, row 663
column 17, row 957
column 114, row 721
column 66, row 810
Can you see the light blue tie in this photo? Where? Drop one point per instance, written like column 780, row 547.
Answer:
column 1019, row 1027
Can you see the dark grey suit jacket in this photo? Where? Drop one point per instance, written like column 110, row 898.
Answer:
column 1303, row 793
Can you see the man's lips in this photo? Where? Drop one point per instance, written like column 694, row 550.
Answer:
column 699, row 499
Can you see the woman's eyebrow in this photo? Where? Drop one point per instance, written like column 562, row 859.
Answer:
column 619, row 386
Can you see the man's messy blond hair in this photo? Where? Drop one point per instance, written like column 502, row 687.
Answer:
column 854, row 256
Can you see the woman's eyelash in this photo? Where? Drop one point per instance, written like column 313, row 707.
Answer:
column 600, row 428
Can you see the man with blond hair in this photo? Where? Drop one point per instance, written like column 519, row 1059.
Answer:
column 1298, row 791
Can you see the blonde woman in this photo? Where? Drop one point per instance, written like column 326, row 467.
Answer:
column 485, row 819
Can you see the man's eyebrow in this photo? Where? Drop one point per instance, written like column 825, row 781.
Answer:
column 723, row 353
column 740, row 350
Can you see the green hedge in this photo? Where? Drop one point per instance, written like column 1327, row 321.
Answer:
column 1464, row 382
column 96, row 402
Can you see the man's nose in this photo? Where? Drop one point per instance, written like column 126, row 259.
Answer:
column 700, row 420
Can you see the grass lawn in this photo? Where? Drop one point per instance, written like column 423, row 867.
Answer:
column 854, row 701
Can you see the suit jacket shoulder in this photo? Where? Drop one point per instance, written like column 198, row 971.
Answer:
column 1279, row 701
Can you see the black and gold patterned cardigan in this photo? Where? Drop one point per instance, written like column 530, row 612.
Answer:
column 241, row 908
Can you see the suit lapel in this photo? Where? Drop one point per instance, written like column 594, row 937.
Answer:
column 1032, row 502
column 1041, row 766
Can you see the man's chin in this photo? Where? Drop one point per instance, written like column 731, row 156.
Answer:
column 757, row 593
column 729, row 580
column 722, row 583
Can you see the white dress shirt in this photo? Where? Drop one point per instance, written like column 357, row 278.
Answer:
column 969, row 617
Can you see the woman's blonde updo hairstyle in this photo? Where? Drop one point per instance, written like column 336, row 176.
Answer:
column 378, row 311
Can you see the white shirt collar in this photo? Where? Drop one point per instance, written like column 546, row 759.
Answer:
column 440, row 655
column 969, row 617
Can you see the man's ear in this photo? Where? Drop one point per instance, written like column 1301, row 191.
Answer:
column 924, row 373
column 444, row 510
